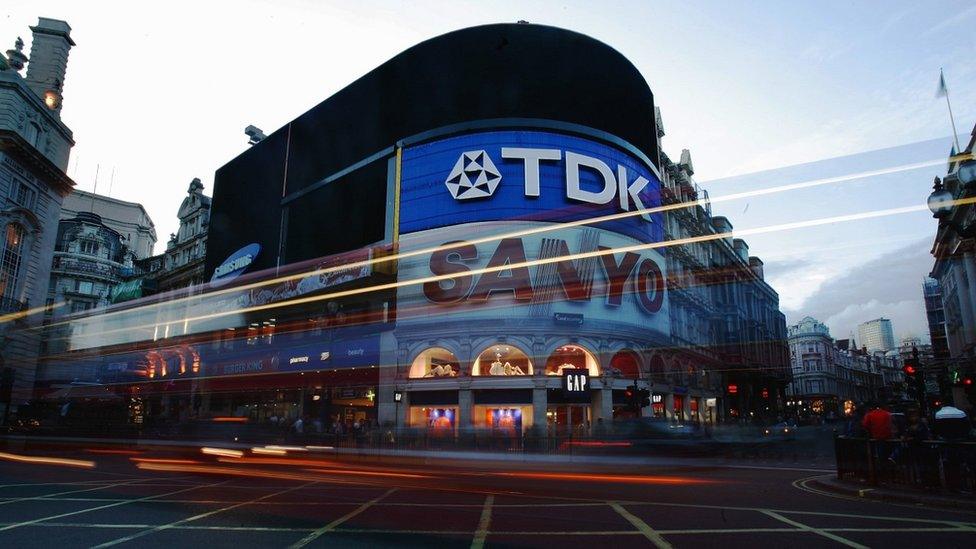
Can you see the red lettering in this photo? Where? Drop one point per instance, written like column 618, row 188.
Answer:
column 445, row 262
column 510, row 251
column 617, row 275
column 650, row 279
column 569, row 276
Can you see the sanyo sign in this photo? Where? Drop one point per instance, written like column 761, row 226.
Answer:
column 476, row 176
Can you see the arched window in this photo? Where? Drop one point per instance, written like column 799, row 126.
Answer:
column 502, row 360
column 626, row 364
column 435, row 362
column 658, row 368
column 571, row 357
column 13, row 245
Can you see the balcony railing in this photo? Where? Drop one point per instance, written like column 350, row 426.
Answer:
column 8, row 305
column 73, row 265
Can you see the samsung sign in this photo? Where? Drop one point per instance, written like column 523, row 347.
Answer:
column 236, row 264
column 527, row 176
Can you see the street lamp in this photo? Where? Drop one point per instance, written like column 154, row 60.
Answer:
column 941, row 201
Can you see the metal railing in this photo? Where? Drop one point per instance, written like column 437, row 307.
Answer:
column 9, row 305
column 939, row 465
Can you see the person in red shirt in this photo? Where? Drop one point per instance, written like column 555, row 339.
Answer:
column 877, row 422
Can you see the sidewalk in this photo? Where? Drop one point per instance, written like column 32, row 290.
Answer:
column 888, row 494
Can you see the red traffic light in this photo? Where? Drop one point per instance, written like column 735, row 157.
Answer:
column 967, row 381
column 909, row 370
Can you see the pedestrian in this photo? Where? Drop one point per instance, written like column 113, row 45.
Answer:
column 854, row 428
column 877, row 422
column 916, row 431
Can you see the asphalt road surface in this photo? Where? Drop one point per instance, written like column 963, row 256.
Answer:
column 289, row 498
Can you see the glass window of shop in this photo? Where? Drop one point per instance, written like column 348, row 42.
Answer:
column 502, row 360
column 503, row 419
column 439, row 421
column 571, row 357
column 569, row 419
column 435, row 362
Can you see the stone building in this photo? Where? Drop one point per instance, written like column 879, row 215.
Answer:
column 831, row 377
column 728, row 336
column 182, row 264
column 90, row 258
column 129, row 219
column 954, row 251
column 34, row 148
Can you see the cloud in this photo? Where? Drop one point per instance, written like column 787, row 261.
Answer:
column 780, row 267
column 889, row 286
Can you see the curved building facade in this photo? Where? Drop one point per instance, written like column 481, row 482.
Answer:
column 481, row 233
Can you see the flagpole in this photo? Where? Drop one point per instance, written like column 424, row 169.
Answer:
column 952, row 120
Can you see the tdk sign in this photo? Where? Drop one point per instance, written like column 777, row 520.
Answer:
column 527, row 176
column 475, row 176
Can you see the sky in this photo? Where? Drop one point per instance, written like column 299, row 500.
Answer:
column 762, row 93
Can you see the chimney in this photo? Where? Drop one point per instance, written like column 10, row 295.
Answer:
column 756, row 265
column 49, row 60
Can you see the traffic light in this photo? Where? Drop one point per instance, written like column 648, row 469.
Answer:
column 643, row 398
column 915, row 380
column 630, row 393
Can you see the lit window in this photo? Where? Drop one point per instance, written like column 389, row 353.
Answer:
column 502, row 360
column 10, row 259
column 435, row 362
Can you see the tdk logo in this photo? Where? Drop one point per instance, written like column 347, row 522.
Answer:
column 475, row 176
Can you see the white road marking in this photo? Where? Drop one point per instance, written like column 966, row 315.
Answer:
column 479, row 536
column 197, row 517
column 641, row 526
column 332, row 525
column 116, row 504
column 817, row 531
column 46, row 496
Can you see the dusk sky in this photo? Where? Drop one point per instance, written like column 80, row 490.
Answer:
column 765, row 94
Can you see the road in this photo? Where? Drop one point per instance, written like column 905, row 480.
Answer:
column 288, row 498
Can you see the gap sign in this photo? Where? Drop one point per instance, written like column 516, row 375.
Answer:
column 576, row 385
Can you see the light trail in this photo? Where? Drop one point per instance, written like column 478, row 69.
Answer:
column 626, row 479
column 268, row 451
column 221, row 452
column 111, row 451
column 525, row 232
column 21, row 314
column 582, row 255
column 368, row 473
column 166, row 461
column 41, row 460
